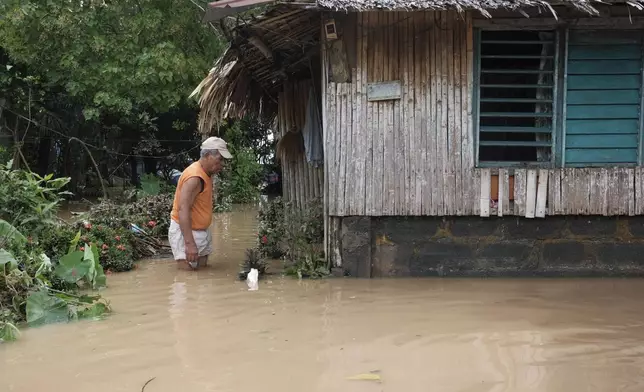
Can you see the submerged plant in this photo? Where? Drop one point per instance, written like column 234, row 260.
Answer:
column 309, row 263
column 304, row 238
column 255, row 260
column 27, row 293
column 270, row 232
column 295, row 234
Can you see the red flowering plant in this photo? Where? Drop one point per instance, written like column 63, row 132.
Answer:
column 115, row 246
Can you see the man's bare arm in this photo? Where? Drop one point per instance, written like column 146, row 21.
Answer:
column 189, row 193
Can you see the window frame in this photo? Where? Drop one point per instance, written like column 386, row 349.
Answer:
column 476, row 106
column 560, row 77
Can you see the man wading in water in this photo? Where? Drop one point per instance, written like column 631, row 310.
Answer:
column 189, row 233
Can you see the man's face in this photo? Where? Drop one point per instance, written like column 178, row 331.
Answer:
column 214, row 163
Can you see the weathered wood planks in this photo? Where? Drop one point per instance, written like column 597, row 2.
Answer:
column 415, row 155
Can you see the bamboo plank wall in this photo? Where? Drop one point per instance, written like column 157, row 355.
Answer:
column 416, row 152
column 301, row 182
column 415, row 155
column 592, row 191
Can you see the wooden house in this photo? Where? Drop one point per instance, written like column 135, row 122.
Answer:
column 459, row 137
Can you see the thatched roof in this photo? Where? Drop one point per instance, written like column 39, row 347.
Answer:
column 268, row 50
column 482, row 6
column 262, row 55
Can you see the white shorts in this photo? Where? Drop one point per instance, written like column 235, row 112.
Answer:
column 203, row 239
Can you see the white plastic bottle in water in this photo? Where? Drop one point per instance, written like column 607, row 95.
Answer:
column 251, row 280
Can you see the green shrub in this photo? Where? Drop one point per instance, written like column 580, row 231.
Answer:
column 241, row 177
column 271, row 228
column 116, row 245
column 304, row 239
column 153, row 185
column 224, row 204
column 297, row 235
column 27, row 292
column 151, row 213
column 28, row 201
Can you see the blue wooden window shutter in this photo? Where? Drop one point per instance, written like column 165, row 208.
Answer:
column 603, row 98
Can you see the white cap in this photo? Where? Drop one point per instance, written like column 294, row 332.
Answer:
column 216, row 143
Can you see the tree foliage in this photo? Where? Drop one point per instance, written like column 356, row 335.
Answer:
column 112, row 56
column 113, row 74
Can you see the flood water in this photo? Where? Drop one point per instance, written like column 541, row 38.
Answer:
column 204, row 331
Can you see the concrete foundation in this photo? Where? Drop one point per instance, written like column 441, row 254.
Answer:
column 507, row 246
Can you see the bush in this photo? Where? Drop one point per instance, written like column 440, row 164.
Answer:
column 27, row 293
column 271, row 228
column 42, row 269
column 150, row 184
column 55, row 240
column 304, row 239
column 116, row 246
column 29, row 201
column 151, row 213
column 107, row 221
column 296, row 235
column 241, row 176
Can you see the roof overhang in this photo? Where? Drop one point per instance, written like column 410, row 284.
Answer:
column 220, row 9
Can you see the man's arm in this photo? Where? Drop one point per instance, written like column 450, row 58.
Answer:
column 189, row 192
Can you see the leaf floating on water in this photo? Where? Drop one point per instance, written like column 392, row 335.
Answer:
column 96, row 311
column 8, row 332
column 45, row 309
column 365, row 377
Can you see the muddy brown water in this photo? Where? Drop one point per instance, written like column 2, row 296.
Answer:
column 205, row 332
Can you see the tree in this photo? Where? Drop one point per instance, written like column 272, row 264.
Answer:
column 115, row 74
column 119, row 56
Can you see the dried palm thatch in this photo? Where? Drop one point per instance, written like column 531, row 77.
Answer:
column 227, row 80
column 463, row 5
column 264, row 54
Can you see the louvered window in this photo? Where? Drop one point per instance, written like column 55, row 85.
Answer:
column 515, row 84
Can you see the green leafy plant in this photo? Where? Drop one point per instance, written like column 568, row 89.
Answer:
column 117, row 246
column 108, row 220
column 28, row 200
column 309, row 262
column 304, row 237
column 26, row 292
column 82, row 266
column 150, row 212
column 271, row 228
column 295, row 234
column 8, row 234
column 255, row 260
column 242, row 175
